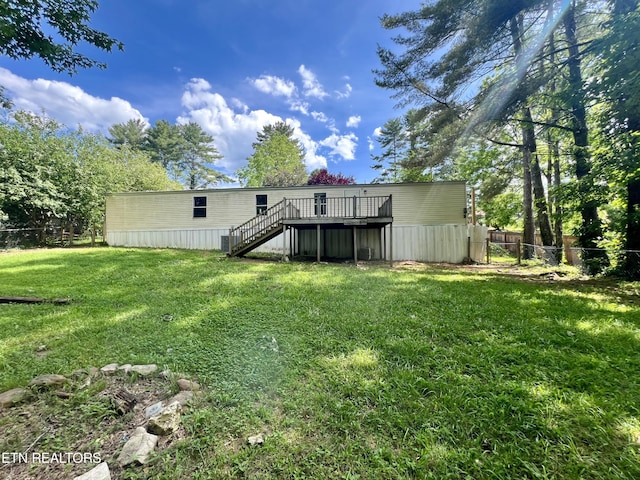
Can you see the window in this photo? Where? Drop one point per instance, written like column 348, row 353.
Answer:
column 261, row 204
column 199, row 207
column 320, row 199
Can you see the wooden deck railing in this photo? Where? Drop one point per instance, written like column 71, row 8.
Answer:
column 265, row 224
column 339, row 207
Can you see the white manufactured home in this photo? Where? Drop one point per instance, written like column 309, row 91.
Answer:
column 412, row 221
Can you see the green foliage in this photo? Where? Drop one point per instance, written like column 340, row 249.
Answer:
column 48, row 173
column 197, row 153
column 410, row 372
column 52, row 30
column 502, row 210
column 132, row 133
column 393, row 142
column 277, row 159
column 185, row 151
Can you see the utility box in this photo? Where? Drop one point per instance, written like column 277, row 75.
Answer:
column 224, row 243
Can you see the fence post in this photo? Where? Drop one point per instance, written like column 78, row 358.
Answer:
column 488, row 252
column 469, row 249
column 519, row 251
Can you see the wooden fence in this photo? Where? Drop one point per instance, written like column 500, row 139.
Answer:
column 509, row 241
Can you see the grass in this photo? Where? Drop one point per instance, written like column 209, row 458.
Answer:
column 370, row 372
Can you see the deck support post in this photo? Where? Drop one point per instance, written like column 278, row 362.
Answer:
column 291, row 232
column 355, row 245
column 391, row 244
column 318, row 242
column 284, row 241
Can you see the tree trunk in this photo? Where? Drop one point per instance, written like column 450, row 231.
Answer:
column 594, row 259
column 557, row 224
column 529, row 137
column 529, row 232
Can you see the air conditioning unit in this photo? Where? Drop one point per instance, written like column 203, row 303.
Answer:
column 365, row 253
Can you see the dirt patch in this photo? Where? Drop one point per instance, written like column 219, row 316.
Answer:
column 59, row 434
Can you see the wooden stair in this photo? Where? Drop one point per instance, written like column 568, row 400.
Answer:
column 253, row 233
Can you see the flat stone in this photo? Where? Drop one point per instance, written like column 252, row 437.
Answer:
column 48, row 380
column 144, row 370
column 153, row 410
column 109, row 369
column 11, row 397
column 184, row 398
column 100, row 472
column 167, row 421
column 185, row 384
column 93, row 371
column 256, row 439
column 125, row 368
column 138, row 448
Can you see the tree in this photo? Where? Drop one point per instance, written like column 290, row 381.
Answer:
column 453, row 45
column 322, row 176
column 132, row 133
column 197, row 153
column 618, row 154
column 163, row 143
column 277, row 159
column 393, row 141
column 52, row 30
column 49, row 173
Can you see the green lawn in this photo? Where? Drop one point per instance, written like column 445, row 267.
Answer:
column 410, row 372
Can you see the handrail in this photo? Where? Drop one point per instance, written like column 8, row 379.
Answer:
column 264, row 224
column 256, row 227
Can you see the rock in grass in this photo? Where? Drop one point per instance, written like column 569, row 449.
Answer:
column 187, row 385
column 101, row 472
column 138, row 448
column 109, row 369
column 144, row 370
column 48, row 380
column 184, row 398
column 153, row 410
column 166, row 422
column 11, row 397
column 256, row 439
column 125, row 368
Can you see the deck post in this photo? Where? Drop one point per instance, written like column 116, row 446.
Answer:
column 318, row 242
column 383, row 243
column 391, row 244
column 355, row 245
column 284, row 241
column 291, row 243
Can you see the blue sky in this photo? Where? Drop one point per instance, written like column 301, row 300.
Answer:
column 233, row 67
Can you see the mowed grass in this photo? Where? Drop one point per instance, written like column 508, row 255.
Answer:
column 352, row 372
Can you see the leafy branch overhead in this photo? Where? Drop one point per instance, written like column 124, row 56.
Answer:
column 533, row 78
column 53, row 31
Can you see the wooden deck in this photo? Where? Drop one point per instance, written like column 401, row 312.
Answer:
column 301, row 213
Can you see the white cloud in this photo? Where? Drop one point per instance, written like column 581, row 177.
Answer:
column 342, row 145
column 377, row 132
column 275, row 86
column 320, row 117
column 299, row 106
column 67, row 103
column 233, row 131
column 354, row 121
column 346, row 93
column 311, row 86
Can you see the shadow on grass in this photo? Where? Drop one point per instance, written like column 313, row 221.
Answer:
column 375, row 372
